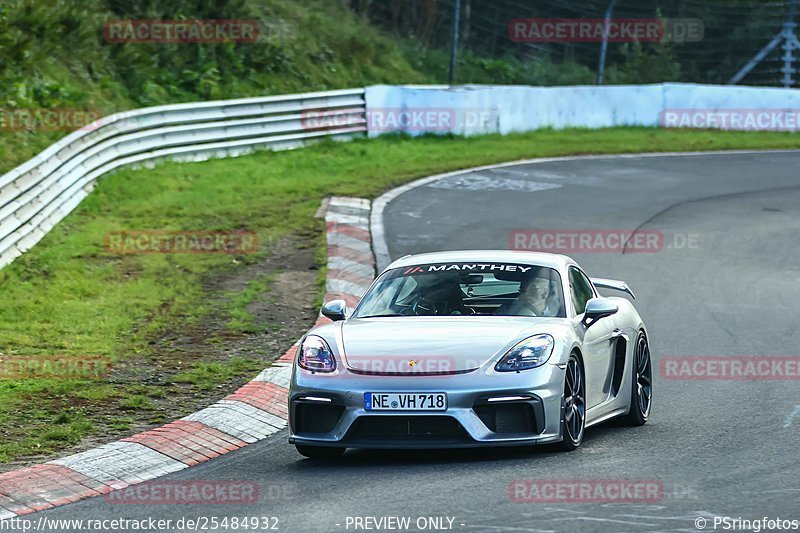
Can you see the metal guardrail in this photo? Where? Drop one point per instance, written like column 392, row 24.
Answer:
column 36, row 195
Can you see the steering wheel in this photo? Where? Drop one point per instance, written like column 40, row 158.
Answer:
column 422, row 306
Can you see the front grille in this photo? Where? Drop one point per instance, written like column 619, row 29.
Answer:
column 316, row 418
column 507, row 417
column 400, row 429
column 411, row 373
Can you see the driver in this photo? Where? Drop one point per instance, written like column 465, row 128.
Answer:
column 440, row 294
column 534, row 296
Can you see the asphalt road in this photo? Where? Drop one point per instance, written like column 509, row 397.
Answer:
column 726, row 283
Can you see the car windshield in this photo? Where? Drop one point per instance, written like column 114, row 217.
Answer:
column 502, row 289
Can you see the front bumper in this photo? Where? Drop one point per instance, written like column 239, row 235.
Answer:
column 328, row 410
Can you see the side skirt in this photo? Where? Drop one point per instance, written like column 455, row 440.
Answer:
column 604, row 417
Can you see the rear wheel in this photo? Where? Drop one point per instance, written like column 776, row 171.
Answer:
column 573, row 410
column 642, row 386
column 319, row 452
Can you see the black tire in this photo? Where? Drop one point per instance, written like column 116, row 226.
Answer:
column 573, row 405
column 642, row 384
column 319, row 452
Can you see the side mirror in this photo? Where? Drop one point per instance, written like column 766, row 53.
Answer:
column 598, row 308
column 335, row 309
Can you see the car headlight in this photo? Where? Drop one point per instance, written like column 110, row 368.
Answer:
column 530, row 353
column 316, row 355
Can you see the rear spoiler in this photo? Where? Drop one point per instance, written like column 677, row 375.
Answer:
column 613, row 284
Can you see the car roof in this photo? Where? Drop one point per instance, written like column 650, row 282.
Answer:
column 556, row 261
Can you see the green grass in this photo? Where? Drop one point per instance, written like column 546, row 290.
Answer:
column 53, row 56
column 49, row 435
column 241, row 318
column 136, row 403
column 120, row 423
column 206, row 376
column 69, row 296
column 98, row 392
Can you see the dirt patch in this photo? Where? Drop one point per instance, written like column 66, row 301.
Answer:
column 287, row 310
column 281, row 314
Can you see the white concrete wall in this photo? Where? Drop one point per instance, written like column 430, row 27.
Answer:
column 478, row 109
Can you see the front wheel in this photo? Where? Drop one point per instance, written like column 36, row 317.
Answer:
column 573, row 410
column 319, row 452
column 642, row 386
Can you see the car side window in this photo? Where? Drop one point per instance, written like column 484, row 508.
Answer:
column 580, row 289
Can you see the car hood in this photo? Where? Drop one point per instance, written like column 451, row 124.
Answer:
column 438, row 345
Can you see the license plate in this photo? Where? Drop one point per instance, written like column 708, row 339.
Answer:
column 405, row 401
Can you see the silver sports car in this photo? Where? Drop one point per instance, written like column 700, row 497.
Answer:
column 471, row 348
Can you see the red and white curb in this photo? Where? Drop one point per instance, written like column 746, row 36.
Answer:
column 351, row 265
column 252, row 413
